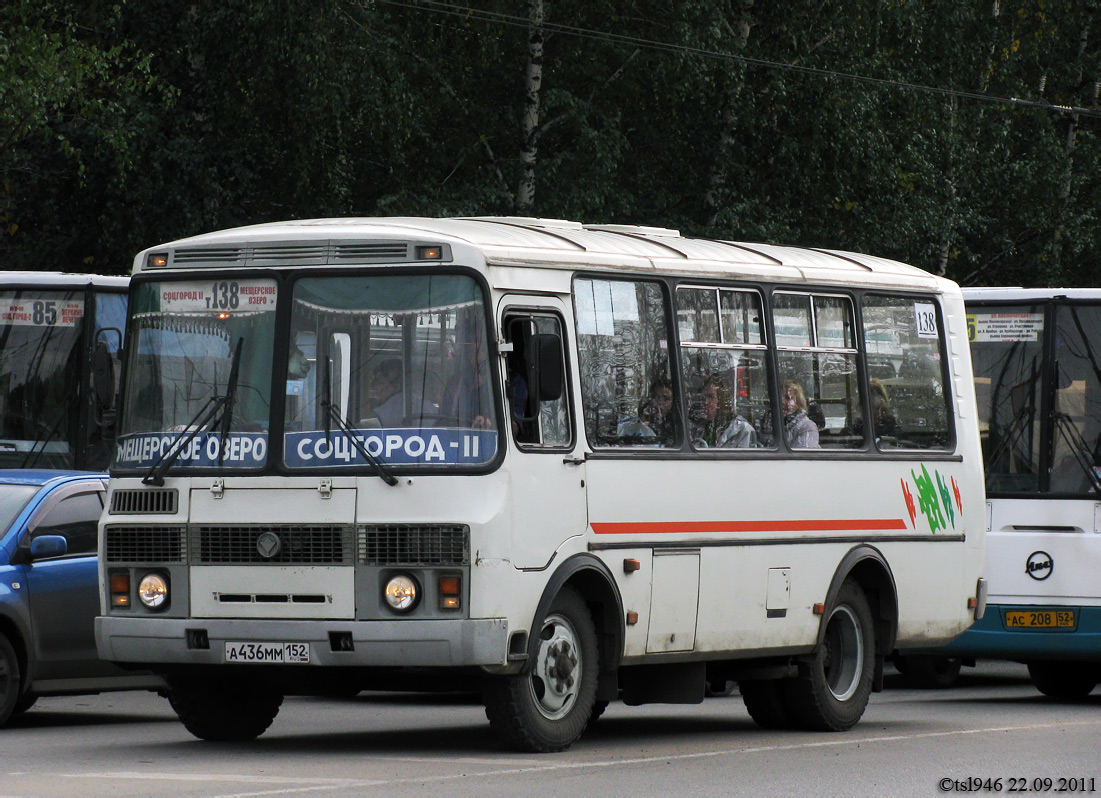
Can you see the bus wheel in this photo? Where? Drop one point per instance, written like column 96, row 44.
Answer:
column 547, row 708
column 9, row 679
column 832, row 688
column 929, row 671
column 223, row 710
column 766, row 702
column 1064, row 679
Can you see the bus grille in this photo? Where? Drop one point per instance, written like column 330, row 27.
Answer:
column 133, row 502
column 406, row 544
column 145, row 544
column 326, row 544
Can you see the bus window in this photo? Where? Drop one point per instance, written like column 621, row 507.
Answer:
column 535, row 420
column 821, row 400
column 1076, row 466
column 200, row 362
column 41, row 357
column 909, row 405
column 394, row 366
column 724, row 367
column 623, row 341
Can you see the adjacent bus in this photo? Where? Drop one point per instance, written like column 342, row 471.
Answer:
column 573, row 462
column 60, row 338
column 1037, row 366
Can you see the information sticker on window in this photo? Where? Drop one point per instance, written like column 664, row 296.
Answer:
column 40, row 312
column 925, row 316
column 219, row 296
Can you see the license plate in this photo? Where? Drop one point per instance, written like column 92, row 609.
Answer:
column 1040, row 619
column 268, row 653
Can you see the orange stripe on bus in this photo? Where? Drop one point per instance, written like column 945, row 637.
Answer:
column 685, row 527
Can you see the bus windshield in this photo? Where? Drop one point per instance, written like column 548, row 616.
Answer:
column 181, row 375
column 388, row 367
column 380, row 369
column 1040, row 417
column 40, row 371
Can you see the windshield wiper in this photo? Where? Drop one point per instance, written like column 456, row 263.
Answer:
column 207, row 413
column 35, row 452
column 1078, row 447
column 332, row 413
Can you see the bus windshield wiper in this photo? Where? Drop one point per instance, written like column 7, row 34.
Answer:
column 207, row 413
column 332, row 413
column 1078, row 448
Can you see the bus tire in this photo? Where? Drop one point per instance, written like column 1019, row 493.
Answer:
column 832, row 688
column 547, row 707
column 598, row 709
column 1064, row 679
column 10, row 682
column 223, row 710
column 766, row 702
column 929, row 671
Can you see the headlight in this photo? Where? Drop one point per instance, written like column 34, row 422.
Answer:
column 401, row 593
column 153, row 591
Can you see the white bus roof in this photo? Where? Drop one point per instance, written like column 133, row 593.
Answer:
column 61, row 280
column 551, row 243
column 1008, row 294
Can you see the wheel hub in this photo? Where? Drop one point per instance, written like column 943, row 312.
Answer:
column 557, row 670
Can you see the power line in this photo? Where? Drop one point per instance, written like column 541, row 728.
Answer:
column 435, row 6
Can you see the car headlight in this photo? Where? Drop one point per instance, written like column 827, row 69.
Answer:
column 401, row 593
column 153, row 591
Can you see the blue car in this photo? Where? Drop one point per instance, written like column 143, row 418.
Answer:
column 49, row 594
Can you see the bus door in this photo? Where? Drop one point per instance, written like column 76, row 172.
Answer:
column 547, row 475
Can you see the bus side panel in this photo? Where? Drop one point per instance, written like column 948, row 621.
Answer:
column 771, row 533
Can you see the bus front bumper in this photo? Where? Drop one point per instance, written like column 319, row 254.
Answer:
column 179, row 641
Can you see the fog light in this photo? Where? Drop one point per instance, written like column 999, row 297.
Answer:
column 153, row 591
column 401, row 593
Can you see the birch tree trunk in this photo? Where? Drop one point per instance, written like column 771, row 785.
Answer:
column 529, row 122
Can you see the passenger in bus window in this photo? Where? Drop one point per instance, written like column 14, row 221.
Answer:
column 717, row 425
column 885, row 425
column 799, row 431
column 655, row 414
column 389, row 405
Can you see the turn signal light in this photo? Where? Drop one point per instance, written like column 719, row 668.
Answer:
column 120, row 589
column 451, row 592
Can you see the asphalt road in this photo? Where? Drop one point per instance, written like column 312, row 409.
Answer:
column 992, row 726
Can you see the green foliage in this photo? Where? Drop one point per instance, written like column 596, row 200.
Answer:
column 125, row 124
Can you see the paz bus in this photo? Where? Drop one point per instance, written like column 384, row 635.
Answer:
column 60, row 337
column 577, row 463
column 1037, row 366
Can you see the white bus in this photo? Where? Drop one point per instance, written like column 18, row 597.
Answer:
column 1037, row 364
column 575, row 462
column 60, row 336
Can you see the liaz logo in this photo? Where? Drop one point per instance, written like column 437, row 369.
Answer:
column 938, row 499
column 1039, row 565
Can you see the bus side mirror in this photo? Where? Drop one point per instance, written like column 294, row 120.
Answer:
column 546, row 357
column 103, row 384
